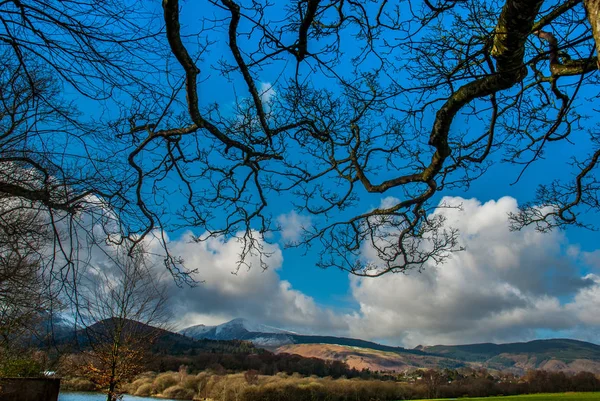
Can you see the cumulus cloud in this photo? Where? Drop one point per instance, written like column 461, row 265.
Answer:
column 293, row 225
column 226, row 292
column 225, row 289
column 592, row 259
column 504, row 286
column 587, row 303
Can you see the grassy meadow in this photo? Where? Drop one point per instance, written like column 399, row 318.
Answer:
column 536, row 397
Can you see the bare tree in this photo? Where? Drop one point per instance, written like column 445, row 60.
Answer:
column 55, row 161
column 24, row 295
column 433, row 379
column 125, row 313
column 404, row 100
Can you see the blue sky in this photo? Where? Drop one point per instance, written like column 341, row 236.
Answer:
column 505, row 286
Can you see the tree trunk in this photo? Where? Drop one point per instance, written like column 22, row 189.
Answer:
column 111, row 396
column 592, row 8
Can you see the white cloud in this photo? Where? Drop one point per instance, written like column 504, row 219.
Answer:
column 293, row 225
column 227, row 292
column 592, row 259
column 266, row 92
column 504, row 286
column 586, row 304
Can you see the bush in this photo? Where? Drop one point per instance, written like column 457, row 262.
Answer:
column 133, row 388
column 179, row 393
column 195, row 383
column 145, row 390
column 164, row 381
column 77, row 384
column 20, row 367
column 251, row 376
column 250, row 386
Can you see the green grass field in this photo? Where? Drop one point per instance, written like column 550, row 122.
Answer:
column 541, row 397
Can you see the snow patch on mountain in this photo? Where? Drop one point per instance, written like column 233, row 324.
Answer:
column 241, row 329
column 271, row 341
column 252, row 327
column 196, row 331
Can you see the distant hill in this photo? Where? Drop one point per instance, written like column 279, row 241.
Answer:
column 203, row 345
column 375, row 360
column 554, row 355
column 564, row 349
column 241, row 329
column 165, row 342
column 353, row 342
column 169, row 351
column 271, row 338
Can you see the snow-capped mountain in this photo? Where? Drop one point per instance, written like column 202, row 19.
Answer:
column 59, row 323
column 196, row 332
column 241, row 329
column 235, row 326
column 272, row 338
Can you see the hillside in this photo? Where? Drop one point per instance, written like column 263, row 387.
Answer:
column 368, row 358
column 563, row 349
column 241, row 329
column 552, row 355
column 271, row 338
column 169, row 351
column 164, row 342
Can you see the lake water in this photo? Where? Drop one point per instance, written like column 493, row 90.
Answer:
column 101, row 397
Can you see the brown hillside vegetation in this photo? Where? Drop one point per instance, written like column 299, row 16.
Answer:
column 363, row 358
column 578, row 365
column 521, row 363
column 382, row 361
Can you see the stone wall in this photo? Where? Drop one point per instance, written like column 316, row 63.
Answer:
column 29, row 389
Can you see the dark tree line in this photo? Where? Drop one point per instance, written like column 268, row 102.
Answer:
column 480, row 383
column 263, row 362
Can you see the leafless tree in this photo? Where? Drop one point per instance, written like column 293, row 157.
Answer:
column 24, row 297
column 56, row 163
column 433, row 379
column 402, row 99
column 405, row 100
column 125, row 309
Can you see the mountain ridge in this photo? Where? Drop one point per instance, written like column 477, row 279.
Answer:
column 561, row 354
column 242, row 329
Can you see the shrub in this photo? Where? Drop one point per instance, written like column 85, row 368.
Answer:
column 145, row 390
column 179, row 393
column 20, row 367
column 164, row 381
column 132, row 388
column 77, row 384
column 251, row 376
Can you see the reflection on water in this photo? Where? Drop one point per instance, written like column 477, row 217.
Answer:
column 100, row 397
